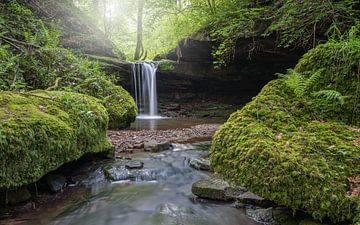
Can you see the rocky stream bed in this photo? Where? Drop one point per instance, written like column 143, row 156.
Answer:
column 158, row 177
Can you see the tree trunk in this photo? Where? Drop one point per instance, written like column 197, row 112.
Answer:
column 139, row 51
column 106, row 22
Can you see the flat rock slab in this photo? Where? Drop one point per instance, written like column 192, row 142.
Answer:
column 253, row 199
column 134, row 165
column 154, row 146
column 215, row 189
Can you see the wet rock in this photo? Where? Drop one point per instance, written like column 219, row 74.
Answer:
column 234, row 191
column 134, row 165
column 261, row 215
column 311, row 222
column 120, row 171
column 55, row 182
column 211, row 188
column 284, row 216
column 200, row 164
column 272, row 216
column 155, row 146
column 18, row 196
column 253, row 199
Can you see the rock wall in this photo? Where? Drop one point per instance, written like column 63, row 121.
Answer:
column 192, row 74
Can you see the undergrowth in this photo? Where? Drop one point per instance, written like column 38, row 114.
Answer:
column 32, row 58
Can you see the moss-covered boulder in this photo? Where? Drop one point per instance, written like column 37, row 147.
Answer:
column 40, row 131
column 298, row 142
column 274, row 147
column 117, row 101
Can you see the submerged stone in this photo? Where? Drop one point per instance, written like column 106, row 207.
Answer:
column 134, row 165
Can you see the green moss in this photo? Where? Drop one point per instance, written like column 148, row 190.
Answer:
column 296, row 146
column 337, row 64
column 118, row 102
column 41, row 130
column 167, row 65
column 277, row 148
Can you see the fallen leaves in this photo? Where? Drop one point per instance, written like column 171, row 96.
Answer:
column 354, row 185
column 357, row 141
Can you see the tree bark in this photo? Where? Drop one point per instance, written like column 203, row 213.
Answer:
column 139, row 51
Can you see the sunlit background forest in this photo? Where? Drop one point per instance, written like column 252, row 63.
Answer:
column 156, row 26
column 160, row 23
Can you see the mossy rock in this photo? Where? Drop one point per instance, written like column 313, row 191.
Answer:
column 118, row 102
column 276, row 147
column 40, row 131
column 167, row 65
column 338, row 64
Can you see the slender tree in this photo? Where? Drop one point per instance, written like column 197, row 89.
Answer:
column 139, row 51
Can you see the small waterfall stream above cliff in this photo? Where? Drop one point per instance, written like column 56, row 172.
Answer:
column 144, row 88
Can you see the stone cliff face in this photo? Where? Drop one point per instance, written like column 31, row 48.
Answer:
column 194, row 76
column 77, row 31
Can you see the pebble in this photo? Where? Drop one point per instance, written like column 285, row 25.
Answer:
column 132, row 139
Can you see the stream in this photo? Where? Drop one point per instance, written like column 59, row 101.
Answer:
column 159, row 193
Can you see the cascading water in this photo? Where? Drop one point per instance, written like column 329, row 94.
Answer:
column 145, row 92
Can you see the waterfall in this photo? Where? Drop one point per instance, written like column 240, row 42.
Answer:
column 144, row 88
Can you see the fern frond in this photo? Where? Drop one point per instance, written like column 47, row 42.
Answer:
column 296, row 82
column 313, row 79
column 331, row 95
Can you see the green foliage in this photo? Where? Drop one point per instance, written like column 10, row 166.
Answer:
column 166, row 65
column 305, row 23
column 331, row 96
column 331, row 74
column 280, row 148
column 41, row 130
column 303, row 87
column 295, row 23
column 31, row 58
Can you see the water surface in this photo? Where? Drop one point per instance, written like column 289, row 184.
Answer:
column 158, row 194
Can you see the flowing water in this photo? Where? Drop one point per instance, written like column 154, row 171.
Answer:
column 158, row 194
column 144, row 88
